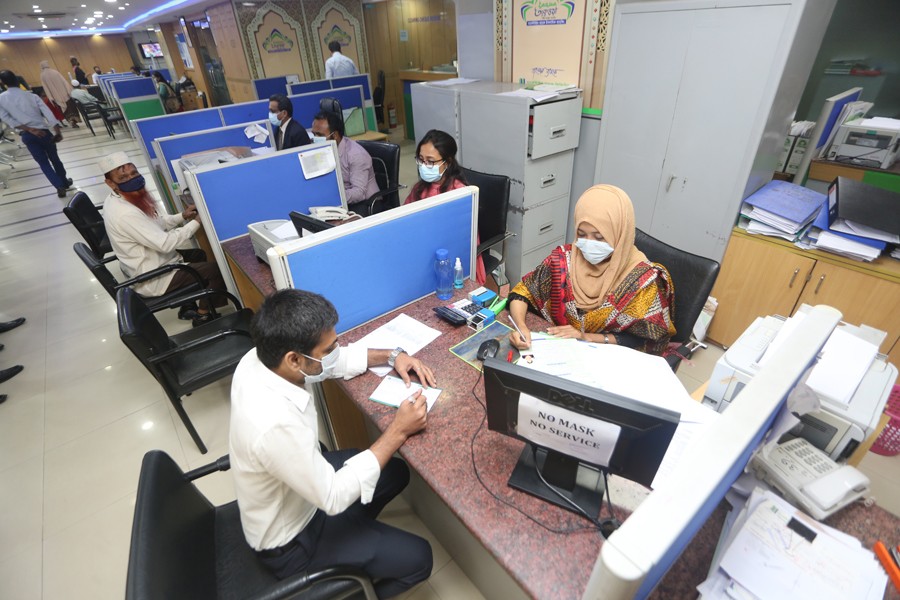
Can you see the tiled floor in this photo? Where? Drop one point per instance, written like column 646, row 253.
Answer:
column 83, row 413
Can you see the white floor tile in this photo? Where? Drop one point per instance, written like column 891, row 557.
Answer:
column 20, row 574
column 21, row 505
column 451, row 583
column 89, row 560
column 21, row 431
column 98, row 469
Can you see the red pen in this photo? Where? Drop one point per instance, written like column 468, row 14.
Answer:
column 509, row 356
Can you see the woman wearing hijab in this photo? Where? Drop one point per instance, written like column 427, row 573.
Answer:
column 601, row 288
column 59, row 90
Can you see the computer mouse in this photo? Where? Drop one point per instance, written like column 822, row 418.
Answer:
column 488, row 349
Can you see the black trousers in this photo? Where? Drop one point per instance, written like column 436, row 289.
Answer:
column 395, row 559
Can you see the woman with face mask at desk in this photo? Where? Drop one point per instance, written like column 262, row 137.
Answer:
column 438, row 173
column 600, row 289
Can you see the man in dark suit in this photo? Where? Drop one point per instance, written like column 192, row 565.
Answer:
column 288, row 132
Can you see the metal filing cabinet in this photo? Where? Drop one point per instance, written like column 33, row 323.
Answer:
column 532, row 143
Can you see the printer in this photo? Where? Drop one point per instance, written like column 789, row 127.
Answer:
column 266, row 234
column 836, row 428
column 873, row 143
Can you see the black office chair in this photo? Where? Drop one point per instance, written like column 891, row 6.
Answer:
column 378, row 98
column 694, row 277
column 88, row 112
column 173, row 299
column 185, row 362
column 493, row 209
column 185, row 548
column 111, row 116
column 386, row 163
column 89, row 223
column 332, row 105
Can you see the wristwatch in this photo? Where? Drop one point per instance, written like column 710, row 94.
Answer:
column 392, row 357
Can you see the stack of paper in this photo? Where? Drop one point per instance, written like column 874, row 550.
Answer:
column 400, row 332
column 775, row 551
column 781, row 208
column 838, row 240
column 451, row 81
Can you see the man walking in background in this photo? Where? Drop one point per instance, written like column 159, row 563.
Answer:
column 33, row 120
column 59, row 90
column 338, row 65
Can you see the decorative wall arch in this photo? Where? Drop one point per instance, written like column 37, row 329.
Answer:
column 256, row 23
column 361, row 50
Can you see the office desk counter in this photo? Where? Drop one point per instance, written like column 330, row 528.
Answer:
column 545, row 564
column 252, row 277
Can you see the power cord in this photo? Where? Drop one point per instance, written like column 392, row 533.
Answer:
column 594, row 526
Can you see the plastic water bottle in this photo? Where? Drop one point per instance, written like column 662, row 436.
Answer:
column 443, row 272
column 458, row 275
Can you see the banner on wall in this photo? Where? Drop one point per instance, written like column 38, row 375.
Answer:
column 547, row 41
column 278, row 49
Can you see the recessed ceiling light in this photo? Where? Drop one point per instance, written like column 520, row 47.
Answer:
column 4, row 30
column 83, row 27
column 6, row 22
column 91, row 28
column 84, row 6
column 149, row 29
column 40, row 18
column 12, row 26
column 44, row 26
column 37, row 10
column 121, row 8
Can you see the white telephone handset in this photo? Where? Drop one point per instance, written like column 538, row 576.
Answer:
column 328, row 213
column 808, row 477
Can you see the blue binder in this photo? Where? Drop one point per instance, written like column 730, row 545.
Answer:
column 787, row 200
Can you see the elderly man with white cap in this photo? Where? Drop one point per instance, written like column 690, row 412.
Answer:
column 144, row 239
column 81, row 94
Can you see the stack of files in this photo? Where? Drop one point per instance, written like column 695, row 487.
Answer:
column 781, row 208
column 836, row 241
column 773, row 550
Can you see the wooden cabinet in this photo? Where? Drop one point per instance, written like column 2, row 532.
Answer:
column 767, row 276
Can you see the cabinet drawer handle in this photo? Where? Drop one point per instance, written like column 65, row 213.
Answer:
column 548, row 180
column 669, row 184
column 545, row 229
column 557, row 132
column 818, row 285
column 793, row 277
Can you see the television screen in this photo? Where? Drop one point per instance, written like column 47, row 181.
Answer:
column 151, row 51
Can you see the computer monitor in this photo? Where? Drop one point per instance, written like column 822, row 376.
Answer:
column 307, row 223
column 572, row 429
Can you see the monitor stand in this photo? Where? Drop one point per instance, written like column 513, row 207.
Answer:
column 563, row 473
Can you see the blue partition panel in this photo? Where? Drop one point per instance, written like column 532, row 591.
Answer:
column 373, row 271
column 266, row 87
column 252, row 190
column 307, row 105
column 134, row 88
column 177, row 147
column 309, row 86
column 245, row 112
column 361, row 79
column 165, row 126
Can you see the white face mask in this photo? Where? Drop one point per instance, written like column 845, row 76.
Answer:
column 329, row 362
column 319, row 138
column 594, row 252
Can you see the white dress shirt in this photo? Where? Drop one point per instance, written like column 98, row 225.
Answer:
column 142, row 243
column 339, row 66
column 18, row 107
column 280, row 475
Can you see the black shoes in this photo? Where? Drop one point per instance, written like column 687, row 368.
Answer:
column 188, row 312
column 204, row 318
column 4, row 327
column 61, row 192
column 7, row 374
column 2, row 398
column 69, row 183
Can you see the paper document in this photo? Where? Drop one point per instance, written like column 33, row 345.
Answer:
column 400, row 332
column 392, row 391
column 262, row 150
column 852, row 228
column 317, row 162
column 554, row 87
column 537, row 95
column 285, row 231
column 257, row 133
column 845, row 360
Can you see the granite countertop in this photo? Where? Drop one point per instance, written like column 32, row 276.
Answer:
column 240, row 250
column 551, row 551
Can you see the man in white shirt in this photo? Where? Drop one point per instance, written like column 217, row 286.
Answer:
column 143, row 239
column 338, row 65
column 81, row 94
column 301, row 508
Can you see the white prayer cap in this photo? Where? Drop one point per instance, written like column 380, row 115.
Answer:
column 112, row 161
column 75, row 83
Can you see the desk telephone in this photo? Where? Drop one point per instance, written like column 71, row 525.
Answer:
column 329, row 213
column 808, row 477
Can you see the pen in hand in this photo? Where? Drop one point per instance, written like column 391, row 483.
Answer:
column 519, row 331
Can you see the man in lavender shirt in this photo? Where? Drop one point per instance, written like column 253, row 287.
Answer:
column 356, row 164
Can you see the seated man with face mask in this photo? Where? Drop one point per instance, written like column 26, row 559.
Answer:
column 303, row 508
column 601, row 288
column 356, row 164
column 143, row 238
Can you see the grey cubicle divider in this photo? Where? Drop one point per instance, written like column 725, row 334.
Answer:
column 373, row 266
column 232, row 195
column 174, row 147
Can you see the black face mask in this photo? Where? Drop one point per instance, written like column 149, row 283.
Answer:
column 132, row 185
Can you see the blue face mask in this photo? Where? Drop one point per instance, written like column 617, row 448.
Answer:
column 430, row 174
column 132, row 185
column 594, row 252
column 319, row 138
column 274, row 120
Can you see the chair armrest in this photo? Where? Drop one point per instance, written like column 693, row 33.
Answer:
column 295, row 585
column 222, row 463
column 371, row 200
column 162, row 271
column 109, row 259
column 222, row 333
column 488, row 244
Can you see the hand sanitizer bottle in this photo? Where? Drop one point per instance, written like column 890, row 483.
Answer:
column 458, row 274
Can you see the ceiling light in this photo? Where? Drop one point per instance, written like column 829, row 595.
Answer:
column 83, row 27
column 37, row 10
column 149, row 29
column 91, row 28
column 84, row 6
column 6, row 22
column 44, row 26
column 121, row 8
column 4, row 30
column 40, row 18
